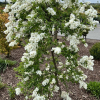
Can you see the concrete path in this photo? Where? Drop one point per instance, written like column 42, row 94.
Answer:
column 95, row 34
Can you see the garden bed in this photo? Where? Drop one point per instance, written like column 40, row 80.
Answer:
column 8, row 77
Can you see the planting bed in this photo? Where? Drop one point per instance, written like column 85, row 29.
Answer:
column 8, row 77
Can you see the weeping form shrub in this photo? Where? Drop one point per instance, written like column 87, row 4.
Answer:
column 41, row 68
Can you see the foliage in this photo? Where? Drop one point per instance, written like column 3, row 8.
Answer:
column 97, row 7
column 2, row 6
column 38, row 23
column 97, row 18
column 4, row 63
column 2, row 85
column 95, row 51
column 84, row 19
column 4, row 45
column 94, row 88
column 11, row 91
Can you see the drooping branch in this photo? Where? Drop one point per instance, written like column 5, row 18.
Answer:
column 55, row 35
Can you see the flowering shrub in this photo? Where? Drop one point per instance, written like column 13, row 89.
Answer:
column 39, row 22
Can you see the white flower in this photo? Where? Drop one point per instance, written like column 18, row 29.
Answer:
column 45, row 82
column 82, row 9
column 31, row 62
column 51, row 11
column 60, row 67
column 67, row 63
column 38, row 72
column 67, row 77
column 56, row 88
column 18, row 91
column 34, row 94
column 53, row 81
column 46, row 58
column 83, row 77
column 91, row 57
column 83, row 84
column 57, row 50
column 7, row 8
column 88, row 2
column 26, row 73
column 60, row 63
column 37, row 7
column 65, row 6
column 65, row 95
column 72, row 16
column 36, row 89
column 26, row 79
column 23, row 58
column 38, row 97
column 67, row 24
column 60, row 76
column 87, row 62
column 26, row 54
column 86, row 45
column 13, row 43
column 48, row 67
column 33, row 54
column 26, row 98
column 62, row 46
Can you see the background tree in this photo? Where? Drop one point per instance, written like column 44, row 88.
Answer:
column 4, row 45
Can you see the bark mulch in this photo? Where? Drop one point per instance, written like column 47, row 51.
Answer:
column 8, row 77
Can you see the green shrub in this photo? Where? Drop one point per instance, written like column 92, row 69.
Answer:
column 2, row 85
column 94, row 88
column 95, row 51
column 11, row 92
column 5, row 63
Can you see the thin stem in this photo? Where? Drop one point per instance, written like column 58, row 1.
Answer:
column 56, row 71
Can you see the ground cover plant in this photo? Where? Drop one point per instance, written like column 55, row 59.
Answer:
column 4, row 63
column 39, row 23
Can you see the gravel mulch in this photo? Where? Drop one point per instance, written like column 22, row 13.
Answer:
column 8, row 77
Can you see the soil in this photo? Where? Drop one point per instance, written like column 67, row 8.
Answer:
column 8, row 77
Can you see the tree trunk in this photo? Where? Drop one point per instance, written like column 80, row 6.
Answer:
column 56, row 71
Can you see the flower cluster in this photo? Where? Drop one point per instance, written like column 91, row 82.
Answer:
column 51, row 11
column 65, row 95
column 87, row 62
column 74, row 41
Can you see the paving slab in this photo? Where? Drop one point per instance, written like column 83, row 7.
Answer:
column 95, row 34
